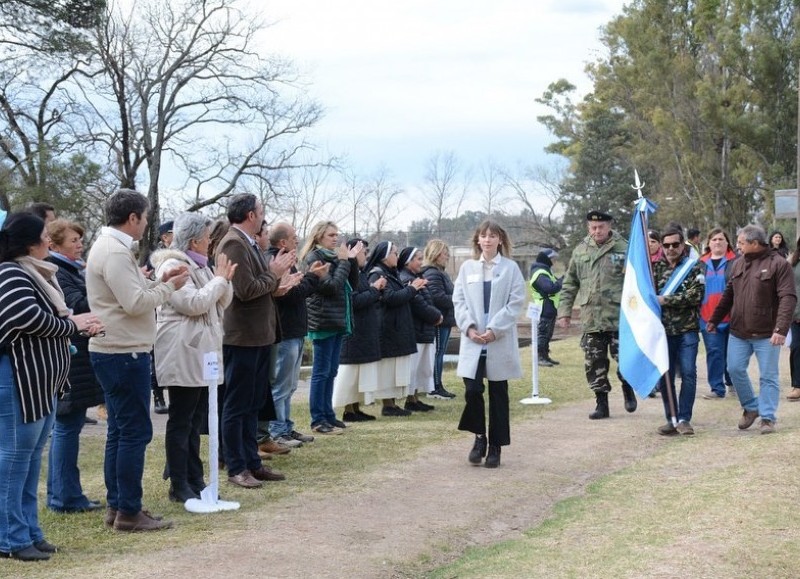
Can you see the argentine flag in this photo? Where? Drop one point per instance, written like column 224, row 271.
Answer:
column 643, row 355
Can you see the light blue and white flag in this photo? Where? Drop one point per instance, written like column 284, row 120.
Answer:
column 643, row 355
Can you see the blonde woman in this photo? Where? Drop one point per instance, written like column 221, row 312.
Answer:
column 329, row 318
column 440, row 287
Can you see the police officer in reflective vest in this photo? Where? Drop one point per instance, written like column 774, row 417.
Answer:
column 545, row 292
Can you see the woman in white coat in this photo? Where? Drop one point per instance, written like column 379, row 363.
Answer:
column 189, row 326
column 488, row 297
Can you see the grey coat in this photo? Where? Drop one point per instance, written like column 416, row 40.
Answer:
column 505, row 306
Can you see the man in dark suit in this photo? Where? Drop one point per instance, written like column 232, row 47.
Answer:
column 251, row 327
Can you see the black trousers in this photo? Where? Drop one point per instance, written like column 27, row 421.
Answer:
column 188, row 408
column 246, row 378
column 544, row 334
column 473, row 419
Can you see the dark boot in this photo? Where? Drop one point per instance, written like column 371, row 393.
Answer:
column 493, row 458
column 478, row 450
column 630, row 398
column 601, row 411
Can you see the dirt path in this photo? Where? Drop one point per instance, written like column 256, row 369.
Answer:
column 452, row 505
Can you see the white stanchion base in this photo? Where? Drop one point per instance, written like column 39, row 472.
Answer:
column 535, row 400
column 209, row 503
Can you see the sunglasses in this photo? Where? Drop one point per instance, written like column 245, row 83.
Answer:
column 673, row 245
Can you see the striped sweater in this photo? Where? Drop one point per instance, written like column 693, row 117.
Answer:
column 35, row 339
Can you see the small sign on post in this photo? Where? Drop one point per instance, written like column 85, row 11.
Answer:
column 534, row 313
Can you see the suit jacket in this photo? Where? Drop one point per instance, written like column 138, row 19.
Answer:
column 505, row 306
column 251, row 319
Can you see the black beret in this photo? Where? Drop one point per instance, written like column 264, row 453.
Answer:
column 165, row 227
column 598, row 216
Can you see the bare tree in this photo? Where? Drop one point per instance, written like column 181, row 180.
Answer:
column 308, row 194
column 492, row 188
column 356, row 193
column 186, row 89
column 381, row 194
column 442, row 192
column 538, row 189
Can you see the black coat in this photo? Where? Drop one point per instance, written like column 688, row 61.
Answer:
column 292, row 310
column 440, row 286
column 327, row 307
column 84, row 390
column 397, row 323
column 422, row 309
column 364, row 344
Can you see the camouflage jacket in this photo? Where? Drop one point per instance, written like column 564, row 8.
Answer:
column 680, row 312
column 594, row 282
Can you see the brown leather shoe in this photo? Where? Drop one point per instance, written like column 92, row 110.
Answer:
column 794, row 395
column 273, row 447
column 111, row 516
column 141, row 521
column 747, row 419
column 267, row 474
column 264, row 455
column 245, row 480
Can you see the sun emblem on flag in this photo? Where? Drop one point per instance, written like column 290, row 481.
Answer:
column 633, row 303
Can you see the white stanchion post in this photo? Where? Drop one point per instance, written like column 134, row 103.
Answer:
column 209, row 497
column 534, row 313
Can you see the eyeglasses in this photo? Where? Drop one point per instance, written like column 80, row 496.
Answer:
column 673, row 245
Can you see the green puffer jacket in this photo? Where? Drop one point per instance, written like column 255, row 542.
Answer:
column 594, row 278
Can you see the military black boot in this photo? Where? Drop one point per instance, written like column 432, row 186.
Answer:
column 630, row 398
column 601, row 411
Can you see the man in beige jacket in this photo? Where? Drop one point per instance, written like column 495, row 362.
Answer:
column 120, row 295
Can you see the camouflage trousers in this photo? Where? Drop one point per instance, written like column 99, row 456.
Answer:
column 596, row 348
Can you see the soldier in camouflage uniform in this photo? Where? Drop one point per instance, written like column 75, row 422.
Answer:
column 680, row 315
column 595, row 276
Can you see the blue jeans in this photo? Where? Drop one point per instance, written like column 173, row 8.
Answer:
column 767, row 356
column 21, row 448
column 125, row 379
column 284, row 384
column 442, row 337
column 64, row 492
column 682, row 354
column 716, row 354
column 323, row 372
column 246, row 377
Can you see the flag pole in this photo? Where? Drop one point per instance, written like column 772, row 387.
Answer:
column 638, row 187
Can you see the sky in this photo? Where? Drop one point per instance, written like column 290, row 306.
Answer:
column 402, row 80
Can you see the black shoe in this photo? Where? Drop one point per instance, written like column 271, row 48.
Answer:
column 545, row 363
column 478, row 450
column 394, row 411
column 30, row 554
column 338, row 423
column 447, row 394
column 182, row 494
column 601, row 410
column 413, row 406
column 422, row 407
column 493, row 458
column 357, row 417
column 553, row 362
column 159, row 406
column 46, row 547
